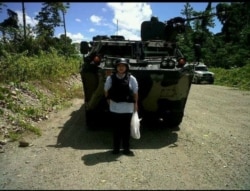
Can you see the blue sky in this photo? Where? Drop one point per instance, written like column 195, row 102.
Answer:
column 85, row 20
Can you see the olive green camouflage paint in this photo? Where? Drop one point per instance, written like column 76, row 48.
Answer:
column 94, row 89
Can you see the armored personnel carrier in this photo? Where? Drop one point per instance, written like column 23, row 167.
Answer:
column 163, row 76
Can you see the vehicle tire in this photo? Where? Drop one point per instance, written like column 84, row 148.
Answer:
column 174, row 120
column 148, row 120
column 197, row 81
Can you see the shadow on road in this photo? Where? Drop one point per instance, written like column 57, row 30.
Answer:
column 99, row 157
column 75, row 134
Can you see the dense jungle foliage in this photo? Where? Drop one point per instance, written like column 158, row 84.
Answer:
column 33, row 52
column 32, row 58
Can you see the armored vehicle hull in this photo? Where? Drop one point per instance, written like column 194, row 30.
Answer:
column 163, row 76
column 162, row 94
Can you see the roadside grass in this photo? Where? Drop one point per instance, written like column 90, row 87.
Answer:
column 31, row 87
column 234, row 77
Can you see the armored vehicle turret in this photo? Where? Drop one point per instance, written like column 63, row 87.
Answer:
column 156, row 61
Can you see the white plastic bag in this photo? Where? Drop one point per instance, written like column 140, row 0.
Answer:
column 135, row 126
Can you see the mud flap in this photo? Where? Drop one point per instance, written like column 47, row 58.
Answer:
column 172, row 119
column 98, row 117
column 171, row 112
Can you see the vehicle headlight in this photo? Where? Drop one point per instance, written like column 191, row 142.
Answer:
column 200, row 75
column 108, row 63
column 171, row 63
column 168, row 64
column 164, row 64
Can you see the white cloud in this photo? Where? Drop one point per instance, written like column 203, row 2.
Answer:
column 104, row 10
column 29, row 20
column 78, row 37
column 129, row 16
column 78, row 20
column 92, row 30
column 129, row 34
column 95, row 19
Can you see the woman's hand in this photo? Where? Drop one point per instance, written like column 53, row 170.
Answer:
column 108, row 100
column 135, row 107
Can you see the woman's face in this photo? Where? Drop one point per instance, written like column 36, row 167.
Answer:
column 121, row 68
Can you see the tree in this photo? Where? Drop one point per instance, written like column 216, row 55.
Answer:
column 197, row 34
column 63, row 8
column 187, row 12
column 234, row 19
column 24, row 20
column 235, row 33
column 1, row 6
column 186, row 42
column 10, row 25
column 49, row 18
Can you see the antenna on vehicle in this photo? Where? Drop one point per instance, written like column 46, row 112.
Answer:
column 117, row 27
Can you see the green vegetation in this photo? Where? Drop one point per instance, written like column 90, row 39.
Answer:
column 20, row 67
column 31, row 87
column 234, row 77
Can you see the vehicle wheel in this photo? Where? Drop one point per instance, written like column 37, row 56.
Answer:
column 148, row 120
column 174, row 120
column 193, row 80
column 197, row 81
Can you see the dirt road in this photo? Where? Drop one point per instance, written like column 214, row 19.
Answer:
column 211, row 150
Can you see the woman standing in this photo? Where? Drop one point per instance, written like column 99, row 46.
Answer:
column 121, row 91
